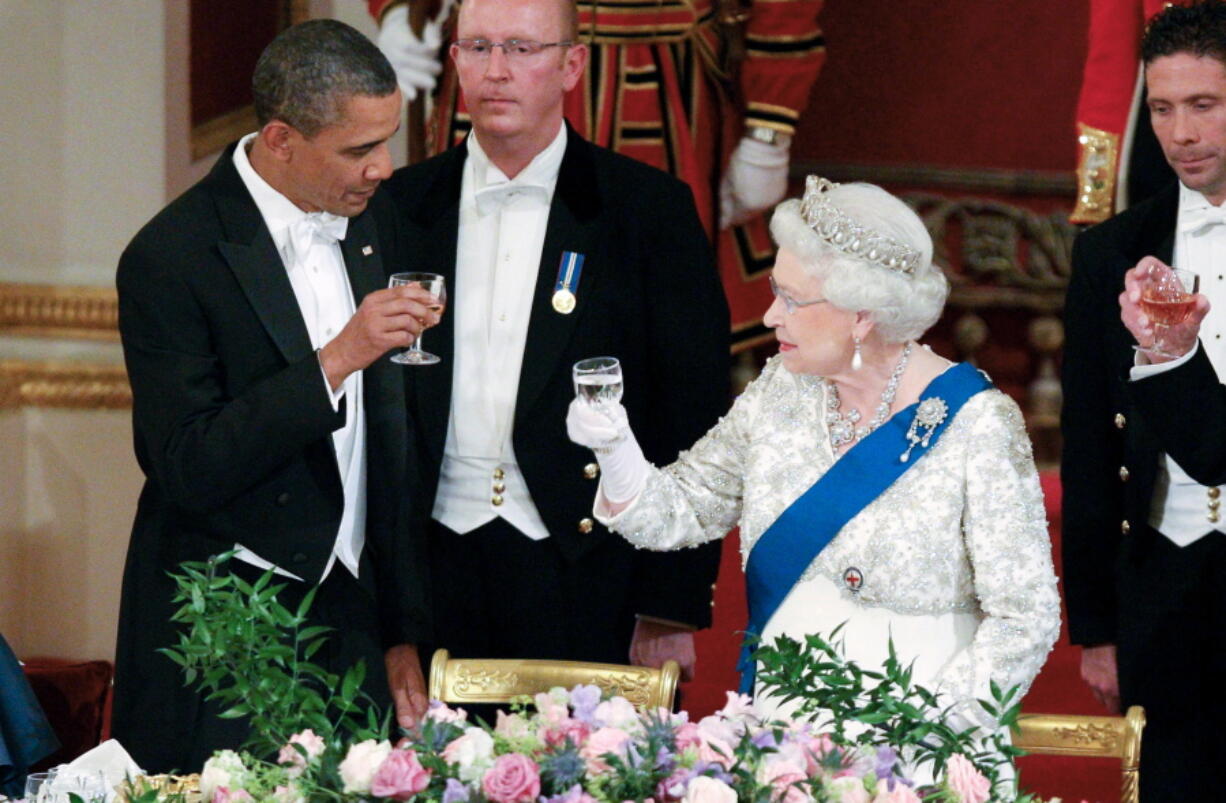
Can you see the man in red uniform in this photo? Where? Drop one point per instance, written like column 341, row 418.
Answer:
column 659, row 88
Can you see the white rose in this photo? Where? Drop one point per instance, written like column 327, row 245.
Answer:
column 618, row 713
column 224, row 768
column 704, row 789
column 360, row 764
column 472, row 754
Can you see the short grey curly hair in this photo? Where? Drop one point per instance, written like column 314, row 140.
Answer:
column 902, row 306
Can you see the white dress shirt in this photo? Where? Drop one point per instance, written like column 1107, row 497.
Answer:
column 321, row 287
column 1183, row 510
column 498, row 255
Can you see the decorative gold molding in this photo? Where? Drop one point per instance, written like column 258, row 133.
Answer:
column 53, row 311
column 76, row 386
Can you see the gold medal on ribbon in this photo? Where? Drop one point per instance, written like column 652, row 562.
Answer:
column 564, row 302
column 569, row 269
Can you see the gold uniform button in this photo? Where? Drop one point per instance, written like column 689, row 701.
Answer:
column 1214, row 504
column 1214, row 517
column 712, row 603
column 1125, row 527
column 498, row 474
column 1120, row 421
column 591, row 471
column 1214, row 493
column 499, row 487
column 586, row 525
column 1124, row 474
column 496, row 500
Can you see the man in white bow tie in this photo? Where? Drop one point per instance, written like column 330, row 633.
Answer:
column 255, row 316
column 557, row 250
column 1145, row 434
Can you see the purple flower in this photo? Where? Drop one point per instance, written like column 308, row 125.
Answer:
column 712, row 769
column 665, row 760
column 573, row 795
column 764, row 739
column 456, row 792
column 584, row 699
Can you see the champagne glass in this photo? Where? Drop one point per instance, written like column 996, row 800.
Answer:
column 1167, row 299
column 598, row 380
column 436, row 286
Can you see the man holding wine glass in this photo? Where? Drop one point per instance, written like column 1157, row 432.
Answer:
column 554, row 250
column 255, row 321
column 1144, row 425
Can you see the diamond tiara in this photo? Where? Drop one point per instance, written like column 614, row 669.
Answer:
column 840, row 231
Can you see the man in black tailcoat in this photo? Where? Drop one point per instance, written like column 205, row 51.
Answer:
column 1144, row 552
column 554, row 250
column 254, row 321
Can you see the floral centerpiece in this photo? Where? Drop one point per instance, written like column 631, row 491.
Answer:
column 316, row 738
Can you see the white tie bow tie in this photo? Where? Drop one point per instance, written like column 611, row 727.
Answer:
column 323, row 227
column 1195, row 219
column 494, row 197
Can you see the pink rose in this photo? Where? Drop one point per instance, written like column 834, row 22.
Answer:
column 901, row 793
column 312, row 745
column 514, row 778
column 224, row 795
column 687, row 737
column 966, row 781
column 400, row 776
column 440, row 712
column 715, row 751
column 784, row 778
column 571, row 729
column 605, row 740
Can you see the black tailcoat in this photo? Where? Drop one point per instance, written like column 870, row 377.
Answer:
column 233, row 430
column 648, row 295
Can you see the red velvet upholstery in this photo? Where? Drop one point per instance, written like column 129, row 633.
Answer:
column 74, row 696
column 1057, row 690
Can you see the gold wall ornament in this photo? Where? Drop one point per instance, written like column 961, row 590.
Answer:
column 1097, row 167
column 76, row 386
column 59, row 311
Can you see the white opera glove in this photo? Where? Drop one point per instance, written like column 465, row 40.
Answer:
column 605, row 429
column 415, row 60
column 756, row 179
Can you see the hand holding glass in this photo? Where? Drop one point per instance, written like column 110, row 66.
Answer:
column 598, row 380
column 435, row 285
column 1167, row 299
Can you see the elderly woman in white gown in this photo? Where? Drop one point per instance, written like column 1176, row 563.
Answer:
column 875, row 483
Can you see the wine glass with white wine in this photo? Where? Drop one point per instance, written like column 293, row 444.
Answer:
column 435, row 285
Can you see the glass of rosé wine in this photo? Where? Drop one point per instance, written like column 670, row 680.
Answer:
column 1167, row 298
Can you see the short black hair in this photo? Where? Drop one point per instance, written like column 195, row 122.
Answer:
column 307, row 74
column 1198, row 29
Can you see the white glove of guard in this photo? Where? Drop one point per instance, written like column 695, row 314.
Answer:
column 605, row 429
column 756, row 179
column 415, row 61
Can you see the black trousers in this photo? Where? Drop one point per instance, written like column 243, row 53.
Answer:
column 1172, row 661
column 166, row 726
column 499, row 594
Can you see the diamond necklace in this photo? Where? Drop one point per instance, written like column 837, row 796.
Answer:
column 842, row 426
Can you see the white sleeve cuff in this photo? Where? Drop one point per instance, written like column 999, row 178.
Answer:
column 1144, row 370
column 334, row 396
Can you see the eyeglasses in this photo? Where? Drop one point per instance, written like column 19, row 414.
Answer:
column 790, row 303
column 513, row 49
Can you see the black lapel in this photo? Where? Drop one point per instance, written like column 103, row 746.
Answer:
column 433, row 233
column 1156, row 230
column 252, row 256
column 363, row 260
column 574, row 225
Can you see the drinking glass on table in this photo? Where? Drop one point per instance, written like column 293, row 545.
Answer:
column 598, row 380
column 435, row 285
column 38, row 786
column 1167, row 298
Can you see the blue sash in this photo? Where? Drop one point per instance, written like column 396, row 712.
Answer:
column 862, row 474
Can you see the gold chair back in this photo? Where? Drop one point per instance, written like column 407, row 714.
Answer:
column 1099, row 737
column 489, row 680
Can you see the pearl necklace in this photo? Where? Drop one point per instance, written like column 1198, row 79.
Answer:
column 843, row 429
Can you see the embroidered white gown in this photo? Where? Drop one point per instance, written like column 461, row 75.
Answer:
column 953, row 560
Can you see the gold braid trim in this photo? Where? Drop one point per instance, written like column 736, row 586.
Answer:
column 75, row 386
column 1096, row 173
